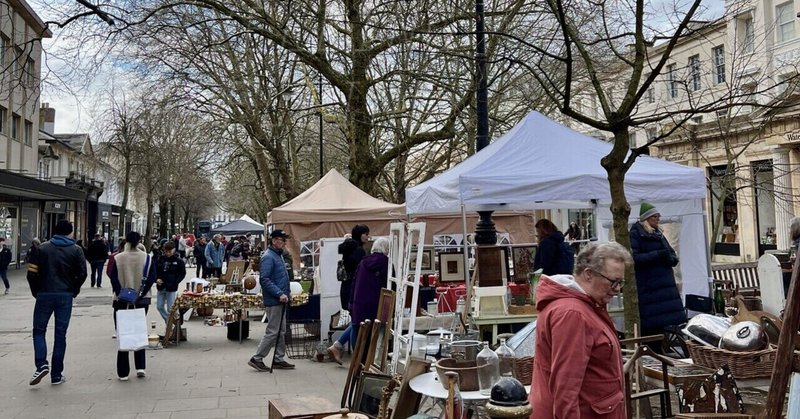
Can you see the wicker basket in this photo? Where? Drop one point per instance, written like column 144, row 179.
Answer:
column 523, row 369
column 753, row 364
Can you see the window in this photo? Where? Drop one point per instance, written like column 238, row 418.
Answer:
column 30, row 75
column 748, row 36
column 719, row 64
column 724, row 205
column 784, row 21
column 651, row 96
column 694, row 71
column 16, row 129
column 28, row 132
column 3, row 119
column 764, row 185
column 15, row 66
column 672, row 83
column 652, row 133
column 3, row 48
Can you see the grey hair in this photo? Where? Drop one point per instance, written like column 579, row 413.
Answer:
column 381, row 245
column 595, row 255
column 217, row 236
column 794, row 228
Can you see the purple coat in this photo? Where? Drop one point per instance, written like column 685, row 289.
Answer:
column 369, row 279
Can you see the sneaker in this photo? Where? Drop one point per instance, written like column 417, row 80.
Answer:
column 122, row 378
column 141, row 373
column 258, row 365
column 58, row 381
column 7, row 290
column 335, row 354
column 114, row 336
column 40, row 373
column 282, row 365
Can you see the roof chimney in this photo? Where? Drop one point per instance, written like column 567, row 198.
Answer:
column 47, row 118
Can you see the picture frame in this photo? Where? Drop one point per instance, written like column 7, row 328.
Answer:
column 451, row 266
column 522, row 257
column 378, row 351
column 428, row 256
column 369, row 392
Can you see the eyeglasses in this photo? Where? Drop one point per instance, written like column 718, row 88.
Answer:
column 614, row 283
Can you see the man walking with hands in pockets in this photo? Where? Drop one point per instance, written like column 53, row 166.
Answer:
column 274, row 281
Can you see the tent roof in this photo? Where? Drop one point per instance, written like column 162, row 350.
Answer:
column 542, row 164
column 240, row 226
column 334, row 198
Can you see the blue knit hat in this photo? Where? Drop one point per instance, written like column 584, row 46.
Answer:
column 647, row 210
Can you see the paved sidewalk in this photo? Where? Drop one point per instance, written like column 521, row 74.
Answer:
column 206, row 377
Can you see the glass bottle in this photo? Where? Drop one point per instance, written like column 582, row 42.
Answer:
column 488, row 369
column 719, row 301
column 505, row 356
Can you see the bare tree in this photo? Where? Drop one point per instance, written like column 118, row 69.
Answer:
column 607, row 50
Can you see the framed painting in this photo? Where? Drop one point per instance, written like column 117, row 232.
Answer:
column 523, row 262
column 451, row 266
column 427, row 260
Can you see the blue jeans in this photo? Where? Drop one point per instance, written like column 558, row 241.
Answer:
column 97, row 272
column 349, row 336
column 164, row 301
column 47, row 305
column 4, row 275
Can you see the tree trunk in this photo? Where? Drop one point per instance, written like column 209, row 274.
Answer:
column 149, row 224
column 125, row 187
column 614, row 164
column 162, row 218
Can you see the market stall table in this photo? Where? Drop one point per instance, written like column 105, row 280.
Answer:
column 188, row 300
column 497, row 319
column 428, row 385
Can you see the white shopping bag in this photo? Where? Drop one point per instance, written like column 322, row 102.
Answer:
column 131, row 330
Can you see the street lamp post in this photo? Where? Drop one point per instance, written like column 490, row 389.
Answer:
column 485, row 232
column 321, row 160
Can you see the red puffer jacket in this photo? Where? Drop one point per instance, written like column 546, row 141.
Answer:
column 577, row 369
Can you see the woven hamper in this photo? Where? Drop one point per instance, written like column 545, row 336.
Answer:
column 753, row 364
column 523, row 369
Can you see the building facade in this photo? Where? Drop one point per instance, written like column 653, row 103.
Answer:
column 751, row 154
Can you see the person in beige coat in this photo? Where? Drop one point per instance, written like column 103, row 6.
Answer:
column 133, row 268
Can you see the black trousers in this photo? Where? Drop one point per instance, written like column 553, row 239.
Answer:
column 139, row 357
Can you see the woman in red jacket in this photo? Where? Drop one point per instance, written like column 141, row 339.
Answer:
column 577, row 368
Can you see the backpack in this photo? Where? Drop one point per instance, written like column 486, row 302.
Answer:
column 341, row 273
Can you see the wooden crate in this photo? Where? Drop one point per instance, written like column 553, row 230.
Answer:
column 526, row 309
column 305, row 407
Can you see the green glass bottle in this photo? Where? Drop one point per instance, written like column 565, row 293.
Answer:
column 719, row 301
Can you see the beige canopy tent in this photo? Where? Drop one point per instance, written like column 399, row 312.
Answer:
column 333, row 205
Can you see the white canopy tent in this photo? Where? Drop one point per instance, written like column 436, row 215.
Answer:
column 541, row 164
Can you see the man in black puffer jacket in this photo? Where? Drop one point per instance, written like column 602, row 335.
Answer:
column 56, row 272
column 170, row 270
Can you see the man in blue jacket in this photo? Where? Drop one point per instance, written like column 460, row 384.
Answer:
column 56, row 272
column 215, row 254
column 275, row 289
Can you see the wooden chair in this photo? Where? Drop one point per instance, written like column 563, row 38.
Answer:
column 662, row 393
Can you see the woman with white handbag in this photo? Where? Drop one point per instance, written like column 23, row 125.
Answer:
column 132, row 277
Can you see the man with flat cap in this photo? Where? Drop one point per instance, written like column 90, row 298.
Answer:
column 274, row 281
column 56, row 272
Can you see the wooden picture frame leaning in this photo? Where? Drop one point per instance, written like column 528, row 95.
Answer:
column 379, row 345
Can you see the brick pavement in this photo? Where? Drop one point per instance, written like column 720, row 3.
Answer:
column 206, row 377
